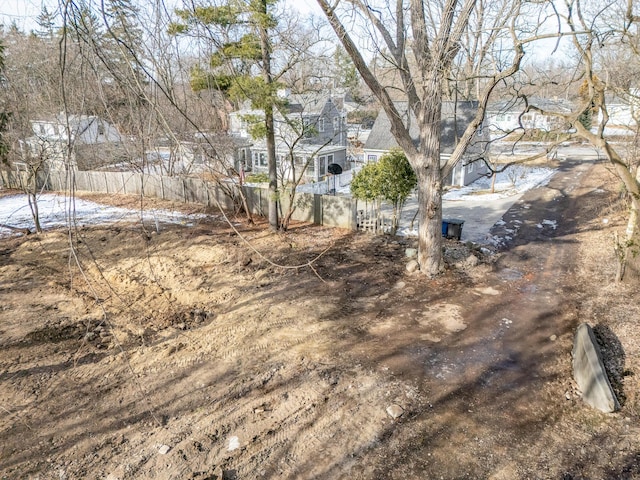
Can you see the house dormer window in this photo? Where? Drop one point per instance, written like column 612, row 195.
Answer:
column 321, row 124
column 100, row 129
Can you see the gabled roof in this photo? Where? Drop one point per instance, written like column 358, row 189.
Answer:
column 311, row 103
column 455, row 118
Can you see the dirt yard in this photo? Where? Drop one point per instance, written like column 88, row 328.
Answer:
column 205, row 353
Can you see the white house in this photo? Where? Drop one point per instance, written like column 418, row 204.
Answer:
column 201, row 153
column 624, row 113
column 507, row 116
column 79, row 141
column 455, row 118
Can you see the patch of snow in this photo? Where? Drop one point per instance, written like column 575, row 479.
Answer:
column 550, row 223
column 514, row 180
column 57, row 210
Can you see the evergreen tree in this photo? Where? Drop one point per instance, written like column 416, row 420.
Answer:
column 391, row 179
column 122, row 40
column 46, row 23
column 83, row 28
column 240, row 64
column 345, row 73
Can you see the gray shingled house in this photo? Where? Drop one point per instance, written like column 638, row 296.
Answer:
column 455, row 118
column 323, row 143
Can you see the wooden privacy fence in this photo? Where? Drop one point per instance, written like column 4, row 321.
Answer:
column 334, row 211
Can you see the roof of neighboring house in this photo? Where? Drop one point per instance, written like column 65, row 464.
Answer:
column 308, row 103
column 455, row 118
column 311, row 103
column 518, row 105
column 223, row 138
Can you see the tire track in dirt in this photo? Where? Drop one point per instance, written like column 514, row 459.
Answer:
column 514, row 352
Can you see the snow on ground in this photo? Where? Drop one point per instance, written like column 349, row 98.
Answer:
column 477, row 206
column 57, row 210
column 514, row 180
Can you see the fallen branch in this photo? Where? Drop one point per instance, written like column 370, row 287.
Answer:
column 24, row 231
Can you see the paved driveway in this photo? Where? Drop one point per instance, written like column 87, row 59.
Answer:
column 479, row 214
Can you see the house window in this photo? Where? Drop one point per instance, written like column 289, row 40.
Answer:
column 100, row 129
column 329, row 159
column 41, row 129
column 336, row 124
column 259, row 159
column 322, row 166
column 298, row 160
column 321, row 124
column 371, row 158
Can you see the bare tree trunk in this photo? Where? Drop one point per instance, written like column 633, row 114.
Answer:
column 270, row 130
column 429, row 174
column 429, row 220
column 273, row 173
column 35, row 214
column 628, row 257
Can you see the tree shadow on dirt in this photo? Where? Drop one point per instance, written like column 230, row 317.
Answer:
column 554, row 211
column 473, row 400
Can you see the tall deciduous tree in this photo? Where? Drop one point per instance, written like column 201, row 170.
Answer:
column 421, row 41
column 608, row 44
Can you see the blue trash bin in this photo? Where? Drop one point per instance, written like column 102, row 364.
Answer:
column 452, row 228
